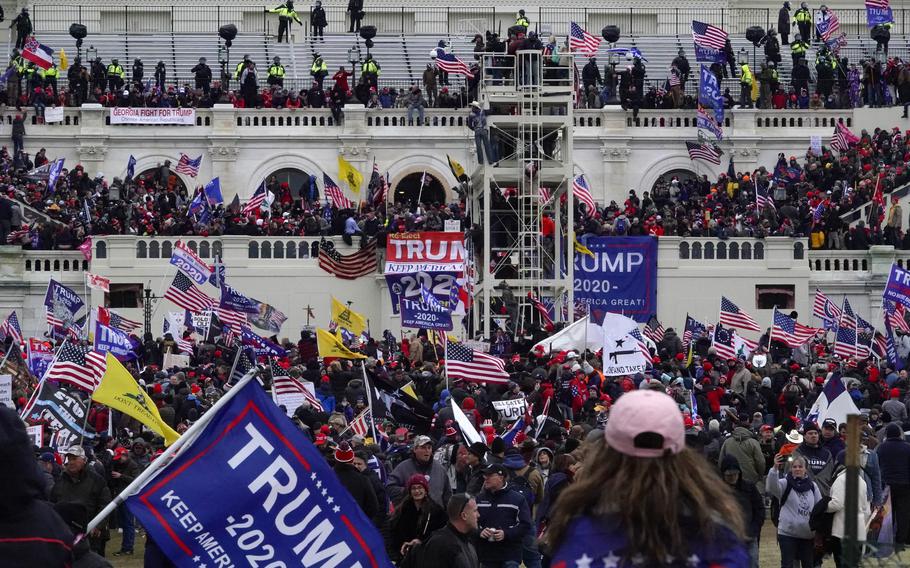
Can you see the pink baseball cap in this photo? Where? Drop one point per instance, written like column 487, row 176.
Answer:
column 645, row 424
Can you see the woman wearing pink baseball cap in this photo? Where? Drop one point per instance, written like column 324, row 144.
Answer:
column 644, row 499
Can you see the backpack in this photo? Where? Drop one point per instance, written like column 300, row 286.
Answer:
column 521, row 484
column 777, row 505
column 820, row 520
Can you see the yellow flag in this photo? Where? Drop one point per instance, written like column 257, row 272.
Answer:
column 582, row 249
column 348, row 173
column 120, row 391
column 347, row 318
column 64, row 62
column 457, row 169
column 330, row 346
column 409, row 388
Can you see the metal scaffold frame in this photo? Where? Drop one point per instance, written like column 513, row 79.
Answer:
column 529, row 101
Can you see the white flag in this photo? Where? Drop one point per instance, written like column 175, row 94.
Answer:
column 624, row 353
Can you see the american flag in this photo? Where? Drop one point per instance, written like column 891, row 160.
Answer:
column 463, row 363
column 640, row 343
column 723, row 342
column 15, row 237
column 581, row 40
column 693, row 328
column 879, row 4
column 865, row 335
column 379, row 189
column 542, row 310
column 706, row 152
column 350, row 266
column 448, row 63
column 829, row 27
column 895, row 312
column 184, row 293
column 335, row 194
column 583, row 194
column 283, row 384
column 10, row 328
column 674, row 78
column 708, row 36
column 361, row 425
column 188, row 166
column 654, row 330
column 544, row 195
column 731, row 315
column 790, row 331
column 245, row 361
column 843, row 138
column 763, row 198
column 256, row 200
column 880, row 346
column 77, row 365
column 845, row 338
column 115, row 320
column 819, row 212
column 826, row 310
column 70, row 329
column 185, row 344
column 231, row 319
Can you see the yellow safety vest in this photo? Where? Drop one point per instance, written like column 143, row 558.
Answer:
column 802, row 15
column 798, row 47
column 115, row 70
column 276, row 71
column 238, row 70
column 370, row 67
column 522, row 21
column 51, row 73
column 746, row 78
column 319, row 66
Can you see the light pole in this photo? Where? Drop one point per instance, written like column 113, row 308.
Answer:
column 353, row 59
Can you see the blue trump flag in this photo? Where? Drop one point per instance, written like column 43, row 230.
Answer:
column 58, row 295
column 877, row 15
column 425, row 312
column 710, row 55
column 233, row 299
column 252, row 489
column 54, row 173
column 131, row 167
column 114, row 341
column 709, row 95
column 620, row 277
column 213, row 192
column 898, row 287
column 260, row 345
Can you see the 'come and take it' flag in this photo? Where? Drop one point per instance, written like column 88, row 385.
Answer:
column 330, row 346
column 120, row 391
column 347, row 318
column 349, row 173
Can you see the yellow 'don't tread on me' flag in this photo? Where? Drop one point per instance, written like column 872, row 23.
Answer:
column 120, row 391
column 349, row 174
column 330, row 346
column 347, row 318
column 457, row 169
column 582, row 249
column 64, row 62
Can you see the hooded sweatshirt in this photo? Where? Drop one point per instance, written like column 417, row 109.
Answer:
column 745, row 448
column 796, row 509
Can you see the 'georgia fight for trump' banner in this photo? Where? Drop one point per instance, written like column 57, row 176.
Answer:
column 253, row 490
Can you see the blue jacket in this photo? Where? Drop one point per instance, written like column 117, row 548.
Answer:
column 604, row 541
column 894, row 461
column 505, row 509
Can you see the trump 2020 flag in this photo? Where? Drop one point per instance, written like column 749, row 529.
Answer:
column 286, row 505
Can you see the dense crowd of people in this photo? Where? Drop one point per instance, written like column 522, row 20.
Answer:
column 735, row 434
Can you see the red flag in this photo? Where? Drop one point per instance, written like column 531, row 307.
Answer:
column 86, row 249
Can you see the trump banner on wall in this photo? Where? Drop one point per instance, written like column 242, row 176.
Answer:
column 178, row 116
column 620, row 276
column 432, row 260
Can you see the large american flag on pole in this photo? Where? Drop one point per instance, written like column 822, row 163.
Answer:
column 826, row 310
column 845, row 338
column 79, row 366
column 256, row 200
column 10, row 328
column 707, row 152
column 790, row 331
column 335, row 194
column 448, row 63
column 731, row 315
column 463, row 363
column 654, row 330
column 708, row 36
column 347, row 266
column 188, row 166
column 184, row 293
column 843, row 138
column 284, row 384
column 581, row 40
column 583, row 194
column 894, row 311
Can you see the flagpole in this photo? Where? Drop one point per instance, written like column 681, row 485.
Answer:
column 771, row 329
column 173, row 453
column 236, row 359
column 356, row 418
column 88, row 408
column 445, row 357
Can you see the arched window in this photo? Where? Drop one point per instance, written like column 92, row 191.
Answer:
column 290, row 249
column 297, row 181
column 747, row 251
column 266, row 249
column 66, row 264
column 409, row 189
column 101, row 249
column 192, row 246
column 279, row 250
column 759, row 251
column 205, row 249
column 216, row 249
column 696, row 251
column 709, row 250
column 799, row 250
column 154, row 249
column 167, row 249
column 141, row 249
column 57, row 265
column 314, row 249
column 734, row 251
column 28, row 265
column 253, row 250
column 684, row 250
column 304, row 249
column 721, row 250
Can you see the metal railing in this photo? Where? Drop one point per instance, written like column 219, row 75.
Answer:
column 452, row 21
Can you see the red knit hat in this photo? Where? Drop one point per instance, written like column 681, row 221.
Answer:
column 418, row 479
column 895, row 393
column 344, row 453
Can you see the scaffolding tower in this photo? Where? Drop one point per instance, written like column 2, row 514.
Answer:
column 525, row 202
